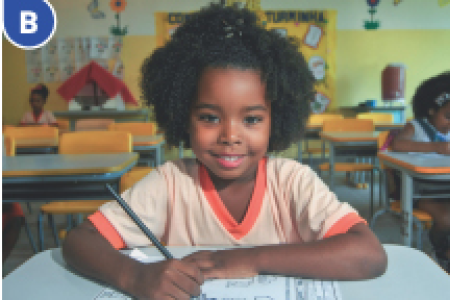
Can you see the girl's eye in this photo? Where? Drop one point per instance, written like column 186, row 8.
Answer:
column 252, row 120
column 209, row 118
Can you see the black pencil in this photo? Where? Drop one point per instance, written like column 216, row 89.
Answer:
column 139, row 223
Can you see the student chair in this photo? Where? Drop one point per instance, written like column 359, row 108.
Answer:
column 350, row 125
column 10, row 150
column 90, row 142
column 376, row 117
column 318, row 119
column 93, row 124
column 33, row 132
column 146, row 157
column 421, row 219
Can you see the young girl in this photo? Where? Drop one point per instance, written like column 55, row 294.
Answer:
column 232, row 91
column 38, row 97
column 430, row 132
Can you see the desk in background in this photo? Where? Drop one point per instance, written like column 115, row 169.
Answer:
column 118, row 115
column 420, row 167
column 397, row 111
column 145, row 144
column 410, row 275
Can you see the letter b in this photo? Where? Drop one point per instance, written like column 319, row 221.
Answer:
column 28, row 23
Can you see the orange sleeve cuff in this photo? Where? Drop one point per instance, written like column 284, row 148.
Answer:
column 344, row 224
column 107, row 230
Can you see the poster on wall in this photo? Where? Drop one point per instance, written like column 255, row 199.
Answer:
column 62, row 57
column 315, row 30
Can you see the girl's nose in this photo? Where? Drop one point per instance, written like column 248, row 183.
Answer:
column 229, row 134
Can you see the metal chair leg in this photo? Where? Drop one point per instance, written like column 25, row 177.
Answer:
column 40, row 231
column 51, row 222
column 30, row 237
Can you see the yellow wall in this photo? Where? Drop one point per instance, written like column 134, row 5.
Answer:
column 360, row 58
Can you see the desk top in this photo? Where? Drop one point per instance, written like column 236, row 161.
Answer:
column 36, row 142
column 147, row 140
column 371, row 136
column 425, row 163
column 410, row 275
column 65, row 164
column 81, row 114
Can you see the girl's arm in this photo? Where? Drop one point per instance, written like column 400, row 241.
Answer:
column 88, row 252
column 403, row 143
column 354, row 255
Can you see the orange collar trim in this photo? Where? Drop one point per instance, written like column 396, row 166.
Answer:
column 237, row 230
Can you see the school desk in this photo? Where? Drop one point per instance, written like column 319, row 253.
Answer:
column 423, row 175
column 59, row 177
column 360, row 144
column 118, row 115
column 36, row 145
column 147, row 143
column 410, row 275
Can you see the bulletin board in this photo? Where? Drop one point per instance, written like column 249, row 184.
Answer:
column 316, row 31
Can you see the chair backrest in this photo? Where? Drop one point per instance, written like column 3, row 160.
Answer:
column 9, row 146
column 92, row 124
column 358, row 125
column 319, row 118
column 377, row 117
column 95, row 142
column 131, row 178
column 135, row 128
column 32, row 132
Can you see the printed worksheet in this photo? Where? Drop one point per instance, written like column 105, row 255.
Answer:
column 263, row 287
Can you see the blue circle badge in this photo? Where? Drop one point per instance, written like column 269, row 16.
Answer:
column 29, row 24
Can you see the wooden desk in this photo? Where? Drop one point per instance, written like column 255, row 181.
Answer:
column 74, row 115
column 410, row 275
column 147, row 143
column 362, row 144
column 57, row 177
column 433, row 168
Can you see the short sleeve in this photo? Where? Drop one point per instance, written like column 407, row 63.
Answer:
column 317, row 211
column 149, row 201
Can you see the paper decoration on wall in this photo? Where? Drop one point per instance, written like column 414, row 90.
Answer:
column 397, row 2
column 371, row 25
column 320, row 104
column 94, row 11
column 443, row 3
column 313, row 36
column 62, row 57
column 118, row 6
column 317, row 66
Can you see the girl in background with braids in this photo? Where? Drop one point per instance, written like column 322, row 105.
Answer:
column 232, row 91
column 37, row 115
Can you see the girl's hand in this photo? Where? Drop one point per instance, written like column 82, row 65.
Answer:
column 234, row 263
column 443, row 148
column 169, row 279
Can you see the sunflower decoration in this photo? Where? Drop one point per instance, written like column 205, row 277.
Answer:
column 118, row 6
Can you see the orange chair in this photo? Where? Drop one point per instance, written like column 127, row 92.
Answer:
column 89, row 142
column 350, row 125
column 420, row 218
column 93, row 124
column 317, row 120
column 135, row 128
column 49, row 136
column 376, row 117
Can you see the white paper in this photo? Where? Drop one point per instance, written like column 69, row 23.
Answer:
column 263, row 287
column 100, row 48
column 313, row 36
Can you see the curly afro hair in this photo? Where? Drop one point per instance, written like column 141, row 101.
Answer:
column 42, row 90
column 228, row 37
column 427, row 92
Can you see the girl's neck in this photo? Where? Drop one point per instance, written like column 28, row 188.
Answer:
column 220, row 183
column 37, row 112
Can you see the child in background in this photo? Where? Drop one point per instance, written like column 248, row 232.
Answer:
column 430, row 132
column 38, row 116
column 232, row 91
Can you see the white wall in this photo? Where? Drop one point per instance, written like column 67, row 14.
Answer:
column 74, row 20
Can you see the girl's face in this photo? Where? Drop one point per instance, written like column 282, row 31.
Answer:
column 441, row 118
column 36, row 102
column 230, row 122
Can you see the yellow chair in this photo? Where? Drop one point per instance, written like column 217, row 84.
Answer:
column 63, row 125
column 9, row 145
column 376, row 117
column 135, row 128
column 318, row 119
column 421, row 218
column 92, row 124
column 350, row 125
column 33, row 133
column 90, row 142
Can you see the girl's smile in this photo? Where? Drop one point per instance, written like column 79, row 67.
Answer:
column 230, row 122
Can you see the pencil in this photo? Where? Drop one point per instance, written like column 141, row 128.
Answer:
column 139, row 223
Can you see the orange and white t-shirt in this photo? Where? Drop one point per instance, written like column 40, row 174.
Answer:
column 179, row 204
column 46, row 117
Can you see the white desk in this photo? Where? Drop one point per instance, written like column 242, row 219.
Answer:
column 430, row 167
column 410, row 275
